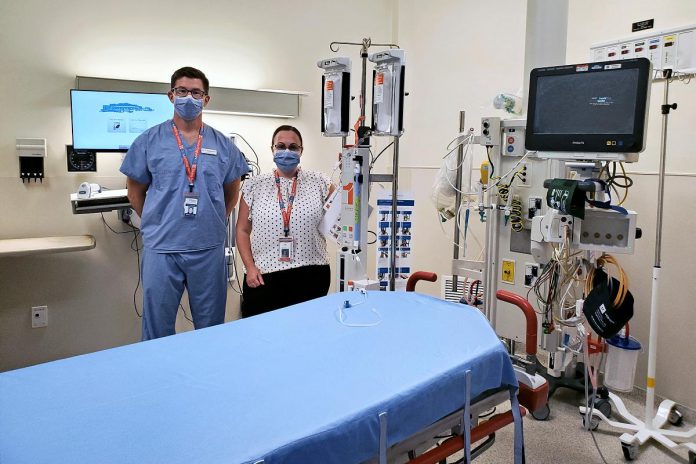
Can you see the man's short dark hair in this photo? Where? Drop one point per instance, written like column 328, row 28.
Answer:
column 191, row 73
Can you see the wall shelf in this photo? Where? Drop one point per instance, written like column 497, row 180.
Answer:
column 45, row 245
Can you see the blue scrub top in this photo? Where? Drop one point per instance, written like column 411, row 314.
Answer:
column 154, row 159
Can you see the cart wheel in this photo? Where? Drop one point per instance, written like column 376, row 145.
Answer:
column 594, row 422
column 603, row 406
column 542, row 413
column 675, row 417
column 692, row 457
column 629, row 451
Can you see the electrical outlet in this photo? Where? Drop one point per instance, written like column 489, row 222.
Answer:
column 534, row 206
column 525, row 175
column 124, row 214
column 531, row 274
column 39, row 316
column 231, row 268
column 490, row 132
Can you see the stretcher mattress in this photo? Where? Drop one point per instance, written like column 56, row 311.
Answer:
column 293, row 386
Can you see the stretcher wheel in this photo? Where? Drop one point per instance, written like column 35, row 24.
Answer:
column 542, row 413
column 629, row 451
column 692, row 457
column 675, row 417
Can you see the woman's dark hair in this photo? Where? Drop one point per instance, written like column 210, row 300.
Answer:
column 191, row 73
column 286, row 127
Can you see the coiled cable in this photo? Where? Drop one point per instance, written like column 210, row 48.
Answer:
column 516, row 214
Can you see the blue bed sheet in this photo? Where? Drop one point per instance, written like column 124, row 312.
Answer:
column 292, row 386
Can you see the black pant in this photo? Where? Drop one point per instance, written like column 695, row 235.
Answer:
column 285, row 288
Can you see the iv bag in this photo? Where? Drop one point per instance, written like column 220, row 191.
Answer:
column 333, row 91
column 383, row 103
column 508, row 102
column 444, row 193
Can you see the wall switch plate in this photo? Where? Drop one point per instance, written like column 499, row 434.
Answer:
column 39, row 316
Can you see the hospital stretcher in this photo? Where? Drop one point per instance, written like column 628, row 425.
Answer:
column 347, row 378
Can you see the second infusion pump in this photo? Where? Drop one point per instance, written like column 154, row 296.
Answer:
column 388, row 92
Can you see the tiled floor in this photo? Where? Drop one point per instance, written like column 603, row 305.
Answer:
column 562, row 439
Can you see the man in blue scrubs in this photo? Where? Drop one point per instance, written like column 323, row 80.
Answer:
column 183, row 181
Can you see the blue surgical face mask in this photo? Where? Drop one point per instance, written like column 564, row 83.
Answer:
column 188, row 107
column 286, row 160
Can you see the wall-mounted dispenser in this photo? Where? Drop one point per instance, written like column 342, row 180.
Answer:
column 31, row 153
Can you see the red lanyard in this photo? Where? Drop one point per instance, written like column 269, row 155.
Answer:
column 291, row 199
column 190, row 170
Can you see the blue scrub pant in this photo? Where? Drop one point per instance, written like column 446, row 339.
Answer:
column 165, row 275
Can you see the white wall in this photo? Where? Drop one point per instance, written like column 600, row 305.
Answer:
column 459, row 56
column 675, row 358
column 264, row 44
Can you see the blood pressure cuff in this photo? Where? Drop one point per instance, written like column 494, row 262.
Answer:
column 564, row 195
column 604, row 318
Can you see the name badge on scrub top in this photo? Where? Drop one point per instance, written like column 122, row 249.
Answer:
column 286, row 249
column 190, row 204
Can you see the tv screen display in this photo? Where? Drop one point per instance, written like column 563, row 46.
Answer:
column 597, row 107
column 110, row 121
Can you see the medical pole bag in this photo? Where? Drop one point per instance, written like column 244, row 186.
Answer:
column 388, row 92
column 335, row 96
column 604, row 313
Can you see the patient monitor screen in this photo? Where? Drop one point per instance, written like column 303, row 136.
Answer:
column 110, row 121
column 586, row 103
column 590, row 109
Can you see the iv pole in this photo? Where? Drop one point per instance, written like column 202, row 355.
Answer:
column 395, row 195
column 657, row 268
column 458, row 201
column 637, row 431
column 363, row 137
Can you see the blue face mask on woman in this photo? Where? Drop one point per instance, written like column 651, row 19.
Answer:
column 286, row 160
column 188, row 107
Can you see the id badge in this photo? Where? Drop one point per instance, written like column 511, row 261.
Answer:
column 190, row 204
column 286, row 249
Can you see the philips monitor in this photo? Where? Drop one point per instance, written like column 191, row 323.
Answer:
column 110, row 121
column 599, row 109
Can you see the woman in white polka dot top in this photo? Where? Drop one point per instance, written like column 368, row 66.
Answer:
column 284, row 253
